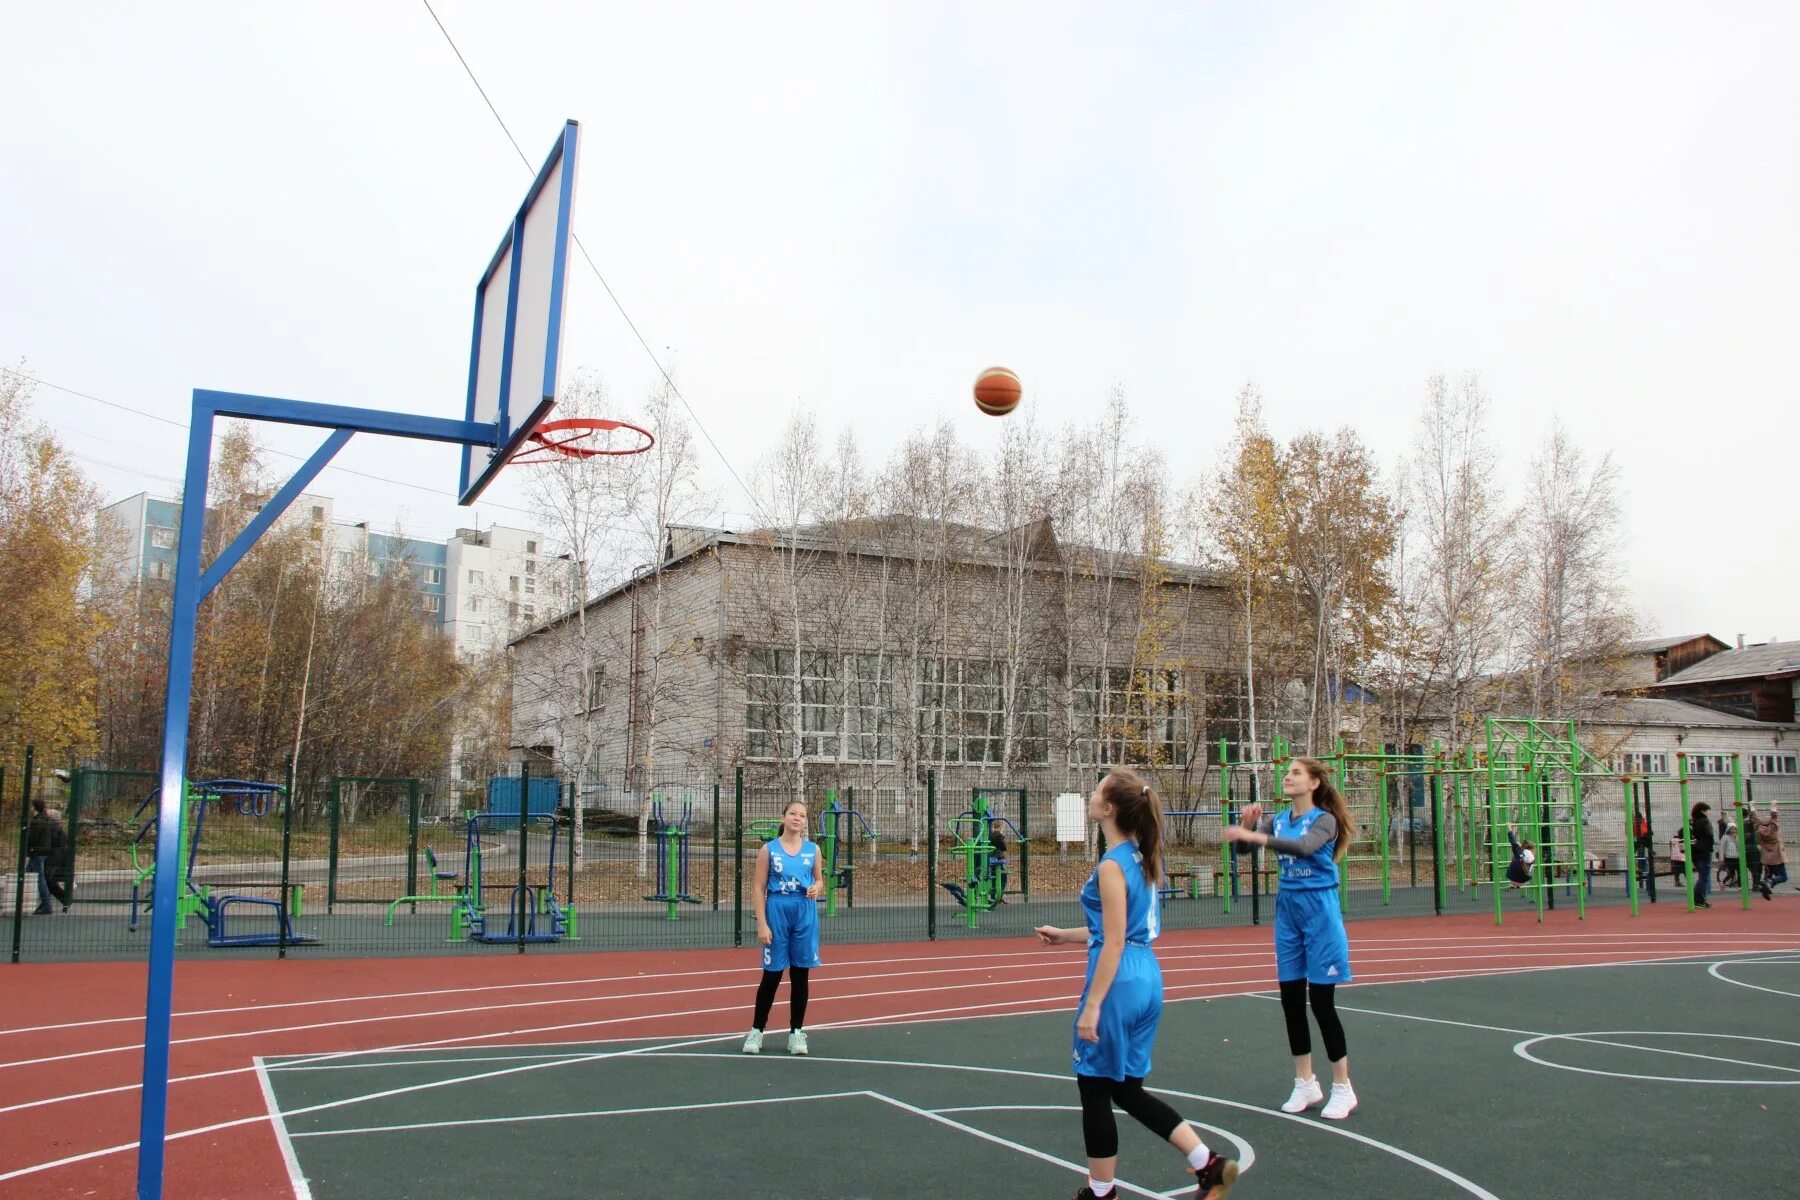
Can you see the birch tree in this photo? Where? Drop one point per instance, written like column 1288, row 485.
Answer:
column 1572, row 614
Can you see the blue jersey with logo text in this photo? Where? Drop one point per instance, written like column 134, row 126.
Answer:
column 1141, row 916
column 792, row 874
column 1312, row 872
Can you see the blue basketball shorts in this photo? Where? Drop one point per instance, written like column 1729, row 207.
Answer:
column 794, row 920
column 1310, row 942
column 1128, row 1019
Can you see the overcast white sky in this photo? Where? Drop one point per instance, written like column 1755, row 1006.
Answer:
column 857, row 206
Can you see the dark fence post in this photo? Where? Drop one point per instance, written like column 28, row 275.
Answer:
column 715, row 856
column 737, row 862
column 77, row 796
column 19, row 878
column 574, row 799
column 521, row 897
column 1025, row 844
column 283, row 910
column 335, row 800
column 931, row 849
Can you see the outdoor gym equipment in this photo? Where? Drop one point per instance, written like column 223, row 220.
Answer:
column 984, row 870
column 438, row 875
column 837, row 849
column 1183, row 864
column 526, row 900
column 212, row 899
column 672, row 842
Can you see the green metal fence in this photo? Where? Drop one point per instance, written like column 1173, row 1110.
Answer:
column 507, row 859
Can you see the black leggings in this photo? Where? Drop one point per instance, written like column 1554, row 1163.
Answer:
column 1324, row 1006
column 1100, row 1131
column 798, row 979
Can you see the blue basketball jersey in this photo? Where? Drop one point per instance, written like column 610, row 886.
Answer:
column 792, row 874
column 1142, row 920
column 1313, row 872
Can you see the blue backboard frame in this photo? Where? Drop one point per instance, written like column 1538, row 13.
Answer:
column 518, row 415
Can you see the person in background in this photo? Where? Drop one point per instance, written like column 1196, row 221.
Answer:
column 1768, row 847
column 1728, row 852
column 1752, row 852
column 1524, row 854
column 46, row 846
column 1700, row 836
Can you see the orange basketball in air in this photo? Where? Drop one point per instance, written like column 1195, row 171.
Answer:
column 997, row 391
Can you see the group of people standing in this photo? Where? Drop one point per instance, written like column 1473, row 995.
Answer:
column 1756, row 849
column 1122, row 1000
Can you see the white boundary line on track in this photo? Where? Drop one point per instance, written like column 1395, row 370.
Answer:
column 1186, row 948
column 1467, row 1185
column 1070, row 972
column 1015, row 1007
column 928, row 1017
column 296, row 1177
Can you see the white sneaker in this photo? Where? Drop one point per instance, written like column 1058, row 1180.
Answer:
column 1341, row 1104
column 753, row 1043
column 797, row 1042
column 1306, row 1094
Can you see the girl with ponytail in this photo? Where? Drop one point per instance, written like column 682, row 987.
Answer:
column 1115, row 1027
column 1312, row 952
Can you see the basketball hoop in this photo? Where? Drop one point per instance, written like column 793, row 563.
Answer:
column 580, row 438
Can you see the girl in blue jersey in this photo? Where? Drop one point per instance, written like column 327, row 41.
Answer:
column 1312, row 953
column 1115, row 1027
column 788, row 880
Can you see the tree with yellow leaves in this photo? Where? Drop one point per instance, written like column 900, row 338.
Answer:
column 47, row 507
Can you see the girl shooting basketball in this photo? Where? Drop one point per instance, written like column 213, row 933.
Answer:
column 787, row 925
column 1311, row 949
column 1115, row 1027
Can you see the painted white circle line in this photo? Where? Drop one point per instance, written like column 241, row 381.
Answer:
column 1716, row 973
column 1598, row 1038
column 1442, row 1172
column 1246, row 1153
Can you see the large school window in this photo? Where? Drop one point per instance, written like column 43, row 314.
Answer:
column 1124, row 717
column 963, row 707
column 833, row 705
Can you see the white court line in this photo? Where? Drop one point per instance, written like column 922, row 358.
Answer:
column 1337, row 1130
column 1523, row 1050
column 1246, row 1152
column 1591, row 1039
column 997, row 956
column 296, row 1177
column 1028, row 1151
column 570, row 1116
column 1714, row 971
column 123, row 1147
column 1011, row 1007
column 890, row 1019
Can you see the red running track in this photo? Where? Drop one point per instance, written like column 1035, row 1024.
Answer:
column 70, row 1054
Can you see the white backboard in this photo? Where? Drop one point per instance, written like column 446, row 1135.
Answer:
column 515, row 352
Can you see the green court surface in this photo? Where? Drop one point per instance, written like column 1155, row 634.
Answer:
column 1674, row 1078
